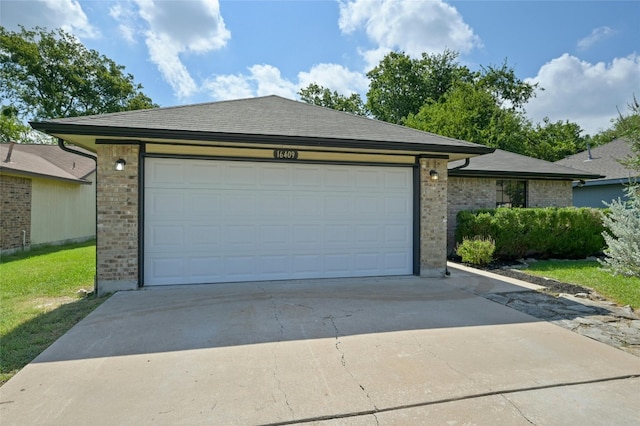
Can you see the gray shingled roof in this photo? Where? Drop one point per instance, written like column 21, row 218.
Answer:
column 46, row 161
column 262, row 119
column 604, row 160
column 509, row 165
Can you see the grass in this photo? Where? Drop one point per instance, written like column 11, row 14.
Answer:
column 587, row 273
column 39, row 300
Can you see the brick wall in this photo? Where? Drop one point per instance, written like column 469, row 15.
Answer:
column 433, row 218
column 467, row 194
column 15, row 212
column 480, row 193
column 549, row 193
column 117, row 219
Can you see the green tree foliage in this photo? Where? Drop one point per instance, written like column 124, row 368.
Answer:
column 507, row 90
column 630, row 130
column 553, row 141
column 318, row 95
column 624, row 126
column 470, row 113
column 623, row 235
column 49, row 74
column 400, row 85
column 11, row 128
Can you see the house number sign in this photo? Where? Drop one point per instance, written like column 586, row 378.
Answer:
column 285, row 154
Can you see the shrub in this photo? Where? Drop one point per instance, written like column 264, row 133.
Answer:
column 623, row 235
column 536, row 232
column 477, row 251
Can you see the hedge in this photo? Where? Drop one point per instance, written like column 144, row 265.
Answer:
column 563, row 233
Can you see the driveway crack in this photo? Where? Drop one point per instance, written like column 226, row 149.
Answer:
column 274, row 306
column 517, row 409
column 343, row 361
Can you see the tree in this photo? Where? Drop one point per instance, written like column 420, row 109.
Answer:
column 507, row 89
column 553, row 141
column 400, row 85
column 49, row 74
column 621, row 127
column 471, row 113
column 11, row 128
column 630, row 130
column 321, row 96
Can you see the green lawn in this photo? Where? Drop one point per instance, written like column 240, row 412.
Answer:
column 39, row 301
column 622, row 290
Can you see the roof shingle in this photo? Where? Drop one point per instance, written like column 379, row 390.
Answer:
column 47, row 161
column 605, row 160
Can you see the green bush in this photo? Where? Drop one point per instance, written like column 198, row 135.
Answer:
column 566, row 233
column 477, row 251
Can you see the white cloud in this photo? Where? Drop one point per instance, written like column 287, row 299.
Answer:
column 173, row 29
column 596, row 35
column 50, row 14
column 585, row 93
column 408, row 25
column 125, row 14
column 224, row 87
column 335, row 77
column 263, row 80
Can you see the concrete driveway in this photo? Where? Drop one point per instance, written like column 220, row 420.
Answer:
column 389, row 351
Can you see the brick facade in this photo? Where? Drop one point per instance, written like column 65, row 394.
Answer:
column 15, row 213
column 467, row 193
column 549, row 193
column 117, row 219
column 433, row 218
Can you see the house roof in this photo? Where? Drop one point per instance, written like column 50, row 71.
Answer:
column 509, row 165
column 262, row 120
column 47, row 161
column 604, row 161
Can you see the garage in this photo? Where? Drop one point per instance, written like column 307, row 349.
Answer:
column 262, row 189
column 213, row 221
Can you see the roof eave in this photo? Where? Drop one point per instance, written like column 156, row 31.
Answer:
column 137, row 133
column 15, row 172
column 520, row 175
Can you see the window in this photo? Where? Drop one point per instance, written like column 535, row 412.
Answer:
column 511, row 193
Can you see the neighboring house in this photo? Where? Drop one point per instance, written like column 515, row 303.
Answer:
column 263, row 189
column 603, row 160
column 505, row 179
column 48, row 196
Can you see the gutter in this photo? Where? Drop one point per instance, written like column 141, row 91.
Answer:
column 462, row 166
column 73, row 151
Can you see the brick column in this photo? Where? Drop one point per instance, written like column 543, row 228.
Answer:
column 15, row 213
column 433, row 218
column 117, row 219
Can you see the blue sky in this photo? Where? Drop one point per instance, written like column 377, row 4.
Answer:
column 585, row 54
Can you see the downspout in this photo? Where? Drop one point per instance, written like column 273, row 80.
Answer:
column 84, row 154
column 467, row 161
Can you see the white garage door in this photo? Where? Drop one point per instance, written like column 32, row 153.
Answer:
column 223, row 221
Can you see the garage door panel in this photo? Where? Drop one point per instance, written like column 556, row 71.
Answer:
column 240, row 174
column 203, row 203
column 165, row 203
column 396, row 179
column 204, row 236
column 267, row 221
column 309, row 176
column 205, row 268
column 275, row 236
